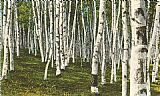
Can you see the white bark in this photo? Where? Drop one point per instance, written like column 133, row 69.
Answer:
column 4, row 16
column 1, row 39
column 61, row 36
column 139, row 50
column 156, row 23
column 68, row 27
column 17, row 32
column 46, row 29
column 10, row 41
column 125, row 50
column 35, row 27
column 39, row 30
column 103, row 68
column 72, row 46
column 51, row 41
column 6, row 34
column 58, row 71
column 113, row 70
column 94, row 87
column 95, row 20
column 65, row 32
column 156, row 61
column 51, row 31
column 84, row 31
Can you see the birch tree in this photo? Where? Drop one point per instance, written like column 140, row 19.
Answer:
column 94, row 87
column 1, row 39
column 151, row 43
column 17, row 31
column 61, row 30
column 6, row 45
column 125, row 49
column 156, row 59
column 139, row 50
column 68, row 31
column 58, row 71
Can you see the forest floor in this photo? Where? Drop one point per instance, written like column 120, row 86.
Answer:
column 27, row 80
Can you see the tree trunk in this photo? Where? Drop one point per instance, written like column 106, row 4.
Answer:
column 156, row 24
column 58, row 71
column 94, row 87
column 6, row 46
column 125, row 50
column 139, row 50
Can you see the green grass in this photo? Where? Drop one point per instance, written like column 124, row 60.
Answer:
column 27, row 80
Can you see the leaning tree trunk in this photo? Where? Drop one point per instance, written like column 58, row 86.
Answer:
column 6, row 49
column 51, row 41
column 39, row 30
column 139, row 50
column 94, row 87
column 46, row 29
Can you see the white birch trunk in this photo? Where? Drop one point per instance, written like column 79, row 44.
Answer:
column 65, row 32
column 1, row 40
column 103, row 68
column 94, row 87
column 46, row 29
column 4, row 16
column 61, row 36
column 84, row 31
column 95, row 20
column 156, row 63
column 68, row 27
column 6, row 49
column 17, row 32
column 113, row 70
column 39, row 30
column 58, row 71
column 139, row 51
column 156, row 23
column 72, row 46
column 35, row 27
column 51, row 42
column 1, row 35
column 125, row 50
column 10, row 40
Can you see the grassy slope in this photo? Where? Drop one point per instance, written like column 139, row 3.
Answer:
column 27, row 80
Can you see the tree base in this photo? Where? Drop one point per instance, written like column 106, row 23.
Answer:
column 94, row 90
column 58, row 72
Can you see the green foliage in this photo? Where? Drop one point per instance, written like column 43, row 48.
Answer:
column 24, row 11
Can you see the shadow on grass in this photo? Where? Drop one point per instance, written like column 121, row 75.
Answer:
column 27, row 80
